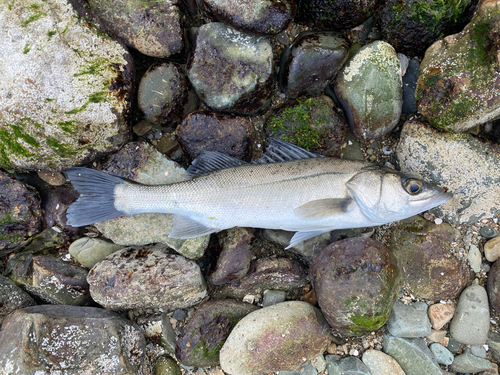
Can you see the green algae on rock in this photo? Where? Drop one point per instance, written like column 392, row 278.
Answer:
column 67, row 99
column 459, row 75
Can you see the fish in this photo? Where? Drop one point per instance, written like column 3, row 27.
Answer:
column 287, row 188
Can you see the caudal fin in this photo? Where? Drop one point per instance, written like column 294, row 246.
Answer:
column 97, row 196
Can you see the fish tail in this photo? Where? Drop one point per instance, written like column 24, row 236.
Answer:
column 97, row 197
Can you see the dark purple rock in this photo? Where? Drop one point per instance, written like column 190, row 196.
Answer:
column 311, row 62
column 208, row 131
column 153, row 28
column 336, row 14
column 356, row 281
column 20, row 214
column 493, row 286
column 234, row 260
column 55, row 202
column 207, row 330
column 259, row 17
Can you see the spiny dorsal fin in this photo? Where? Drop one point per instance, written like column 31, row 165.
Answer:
column 278, row 151
column 320, row 208
column 211, row 161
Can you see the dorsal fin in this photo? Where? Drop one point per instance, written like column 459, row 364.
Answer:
column 278, row 151
column 211, row 161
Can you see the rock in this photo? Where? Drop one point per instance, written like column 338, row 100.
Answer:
column 12, row 297
column 164, row 94
column 341, row 14
column 380, row 363
column 409, row 86
column 453, row 345
column 477, row 350
column 474, row 258
column 266, row 273
column 492, row 371
column 370, row 89
column 306, row 369
column 89, row 251
column 311, row 124
column 53, row 280
column 141, row 162
column 146, row 278
column 356, row 281
column 276, row 338
column 436, row 336
column 306, row 249
column 443, row 356
column 20, row 214
column 207, row 330
column 494, row 345
column 55, row 202
column 493, row 285
column 440, row 314
column 422, row 248
column 166, row 366
column 153, row 28
column 474, row 180
column 66, row 88
column 272, row 297
column 471, row 321
column 411, row 27
column 169, row 337
column 208, row 131
column 348, row 366
column 311, row 62
column 234, row 260
column 492, row 249
column 457, row 88
column 409, row 320
column 264, row 17
column 245, row 84
column 52, row 178
column 469, row 363
column 488, row 232
column 412, row 354
column 37, row 339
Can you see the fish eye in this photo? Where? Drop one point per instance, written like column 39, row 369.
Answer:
column 412, row 186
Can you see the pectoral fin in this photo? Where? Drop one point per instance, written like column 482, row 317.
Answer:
column 185, row 227
column 302, row 236
column 320, row 208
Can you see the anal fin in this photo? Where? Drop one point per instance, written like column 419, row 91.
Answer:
column 302, row 236
column 185, row 227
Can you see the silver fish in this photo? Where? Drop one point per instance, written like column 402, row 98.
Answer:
column 288, row 188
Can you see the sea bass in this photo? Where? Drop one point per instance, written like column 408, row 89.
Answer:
column 288, row 188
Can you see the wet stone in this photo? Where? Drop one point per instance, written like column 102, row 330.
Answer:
column 207, row 330
column 468, row 363
column 208, row 131
column 153, row 28
column 471, row 321
column 66, row 88
column 52, row 178
column 492, row 249
column 89, row 251
column 266, row 273
column 164, row 94
column 422, row 249
column 83, row 339
column 443, row 356
column 234, row 260
column 55, row 202
column 309, row 123
column 409, row 320
column 409, row 86
column 412, row 354
column 348, row 366
column 311, row 62
column 488, row 232
column 146, row 278
column 493, row 285
column 276, row 338
column 263, row 17
column 440, row 314
column 272, row 297
column 166, row 366
column 12, row 297
column 380, row 363
column 245, row 84
column 369, row 88
column 20, row 214
column 356, row 281
column 458, row 104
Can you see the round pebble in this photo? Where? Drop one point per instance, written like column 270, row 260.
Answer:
column 443, row 355
column 488, row 232
column 492, row 249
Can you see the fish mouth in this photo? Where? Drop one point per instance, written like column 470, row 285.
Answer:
column 439, row 199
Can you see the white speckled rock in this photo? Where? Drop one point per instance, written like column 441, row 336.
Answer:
column 281, row 337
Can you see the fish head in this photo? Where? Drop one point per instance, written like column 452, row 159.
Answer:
column 385, row 195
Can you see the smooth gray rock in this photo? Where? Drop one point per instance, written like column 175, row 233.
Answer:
column 438, row 158
column 380, row 363
column 72, row 340
column 66, row 88
column 409, row 320
column 12, row 297
column 306, row 369
column 370, row 89
column 89, row 251
column 275, row 338
column 471, row 322
column 244, row 85
column 412, row 354
column 146, row 278
column 346, row 366
column 469, row 363
column 477, row 350
column 272, row 297
column 443, row 356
